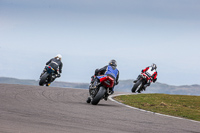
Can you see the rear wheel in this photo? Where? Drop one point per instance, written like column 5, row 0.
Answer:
column 98, row 96
column 43, row 79
column 136, row 85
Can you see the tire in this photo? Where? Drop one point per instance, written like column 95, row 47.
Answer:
column 135, row 86
column 98, row 96
column 140, row 88
column 43, row 79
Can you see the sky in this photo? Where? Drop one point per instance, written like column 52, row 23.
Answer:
column 89, row 33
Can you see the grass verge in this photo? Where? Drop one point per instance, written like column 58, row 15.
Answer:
column 175, row 105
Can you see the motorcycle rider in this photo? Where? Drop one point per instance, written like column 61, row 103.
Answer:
column 109, row 70
column 151, row 72
column 56, row 64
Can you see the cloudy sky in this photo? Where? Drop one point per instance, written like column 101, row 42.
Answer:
column 89, row 33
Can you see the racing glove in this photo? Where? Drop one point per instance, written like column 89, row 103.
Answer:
column 154, row 80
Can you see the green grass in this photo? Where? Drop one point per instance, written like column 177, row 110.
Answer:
column 175, row 105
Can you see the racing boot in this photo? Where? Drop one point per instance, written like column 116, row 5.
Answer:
column 47, row 84
column 89, row 100
column 111, row 91
column 106, row 97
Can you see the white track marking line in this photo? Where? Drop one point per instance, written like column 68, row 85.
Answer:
column 111, row 98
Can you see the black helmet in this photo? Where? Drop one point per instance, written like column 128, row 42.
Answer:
column 113, row 63
column 154, row 66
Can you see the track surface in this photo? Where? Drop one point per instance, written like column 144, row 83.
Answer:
column 34, row 109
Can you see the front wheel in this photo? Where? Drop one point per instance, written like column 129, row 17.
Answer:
column 43, row 79
column 136, row 85
column 98, row 96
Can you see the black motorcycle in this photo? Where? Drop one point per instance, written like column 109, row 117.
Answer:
column 47, row 77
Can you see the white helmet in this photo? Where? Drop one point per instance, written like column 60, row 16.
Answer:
column 59, row 56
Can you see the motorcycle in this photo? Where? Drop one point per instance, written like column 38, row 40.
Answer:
column 139, row 85
column 100, row 89
column 48, row 76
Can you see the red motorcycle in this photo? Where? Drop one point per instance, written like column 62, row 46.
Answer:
column 139, row 85
column 101, row 88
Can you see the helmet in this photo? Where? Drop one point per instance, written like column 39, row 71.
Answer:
column 59, row 56
column 113, row 63
column 154, row 66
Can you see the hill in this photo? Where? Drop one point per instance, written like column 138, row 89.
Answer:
column 123, row 86
column 157, row 87
column 6, row 80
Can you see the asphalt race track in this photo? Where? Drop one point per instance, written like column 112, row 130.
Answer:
column 35, row 109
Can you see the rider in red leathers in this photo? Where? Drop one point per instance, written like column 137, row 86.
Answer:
column 151, row 72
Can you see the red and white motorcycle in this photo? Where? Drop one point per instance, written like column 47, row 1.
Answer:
column 141, row 82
